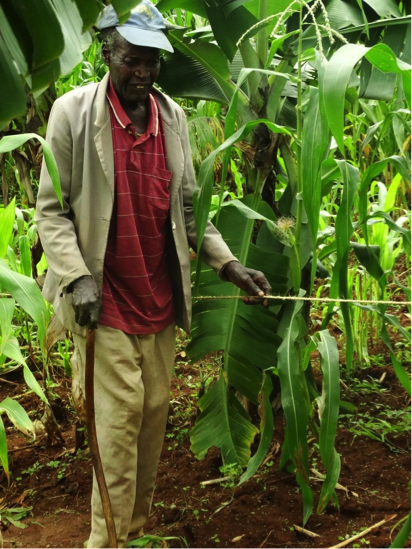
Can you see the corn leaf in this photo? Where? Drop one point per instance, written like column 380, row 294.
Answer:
column 294, row 404
column 329, row 417
column 11, row 142
column 7, row 216
column 266, row 430
column 4, row 459
column 18, row 416
column 6, row 318
column 25, row 255
column 337, row 75
column 33, row 383
column 27, row 294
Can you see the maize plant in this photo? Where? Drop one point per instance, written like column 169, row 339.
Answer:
column 291, row 74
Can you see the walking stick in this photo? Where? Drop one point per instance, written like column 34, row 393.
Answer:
column 93, row 444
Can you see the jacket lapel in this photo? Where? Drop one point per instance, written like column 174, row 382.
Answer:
column 103, row 138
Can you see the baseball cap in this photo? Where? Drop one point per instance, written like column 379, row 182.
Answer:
column 144, row 27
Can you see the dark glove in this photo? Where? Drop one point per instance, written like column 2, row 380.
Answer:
column 86, row 301
column 253, row 282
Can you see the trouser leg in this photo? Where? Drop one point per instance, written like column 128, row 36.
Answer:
column 158, row 352
column 119, row 400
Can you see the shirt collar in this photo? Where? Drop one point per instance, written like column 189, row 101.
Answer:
column 124, row 120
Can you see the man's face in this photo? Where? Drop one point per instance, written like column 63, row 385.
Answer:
column 133, row 69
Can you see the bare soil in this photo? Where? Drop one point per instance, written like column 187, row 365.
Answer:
column 260, row 513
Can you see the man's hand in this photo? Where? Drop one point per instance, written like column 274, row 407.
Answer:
column 251, row 281
column 86, row 301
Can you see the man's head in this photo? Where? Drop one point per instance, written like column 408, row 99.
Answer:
column 131, row 51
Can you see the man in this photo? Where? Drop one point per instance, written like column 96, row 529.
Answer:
column 118, row 252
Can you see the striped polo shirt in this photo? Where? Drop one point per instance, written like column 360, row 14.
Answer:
column 137, row 291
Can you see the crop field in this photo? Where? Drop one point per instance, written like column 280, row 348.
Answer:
column 289, row 422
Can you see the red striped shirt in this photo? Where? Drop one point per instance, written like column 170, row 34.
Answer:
column 137, row 291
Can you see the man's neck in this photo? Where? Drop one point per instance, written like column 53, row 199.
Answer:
column 138, row 114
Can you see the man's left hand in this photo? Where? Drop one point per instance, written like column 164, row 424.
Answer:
column 254, row 283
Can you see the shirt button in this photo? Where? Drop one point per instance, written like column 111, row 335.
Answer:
column 173, row 226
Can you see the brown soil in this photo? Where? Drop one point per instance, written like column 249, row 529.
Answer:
column 261, row 513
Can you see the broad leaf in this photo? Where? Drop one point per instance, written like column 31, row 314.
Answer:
column 223, row 423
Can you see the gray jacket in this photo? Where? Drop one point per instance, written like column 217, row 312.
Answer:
column 74, row 238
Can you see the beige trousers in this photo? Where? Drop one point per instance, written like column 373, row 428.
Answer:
column 131, row 383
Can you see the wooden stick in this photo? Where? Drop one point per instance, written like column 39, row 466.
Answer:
column 92, row 436
column 361, row 534
column 214, row 481
column 306, row 532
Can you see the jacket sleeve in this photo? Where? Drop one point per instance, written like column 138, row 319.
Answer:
column 214, row 251
column 56, row 230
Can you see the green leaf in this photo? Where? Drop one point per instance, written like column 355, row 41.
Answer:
column 4, row 458
column 6, row 318
column 89, row 11
column 183, row 76
column 329, row 353
column 294, row 405
column 11, row 142
column 7, row 216
column 12, row 96
column 123, row 8
column 222, row 424
column 368, row 256
column 75, row 42
column 18, row 416
column 403, row 535
column 12, row 350
column 395, row 227
column 315, row 143
column 344, row 230
column 337, row 75
column 27, row 294
column 25, row 255
column 266, row 430
column 229, row 27
column 33, row 383
column 384, row 8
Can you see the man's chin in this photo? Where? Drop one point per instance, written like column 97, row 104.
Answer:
column 136, row 96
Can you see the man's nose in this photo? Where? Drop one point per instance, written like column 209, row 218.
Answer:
column 142, row 71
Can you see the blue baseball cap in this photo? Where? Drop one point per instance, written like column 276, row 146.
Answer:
column 145, row 26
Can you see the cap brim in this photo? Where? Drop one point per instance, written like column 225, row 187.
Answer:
column 141, row 37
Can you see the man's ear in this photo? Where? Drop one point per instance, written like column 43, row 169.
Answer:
column 105, row 54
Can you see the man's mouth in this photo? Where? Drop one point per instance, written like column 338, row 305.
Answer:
column 139, row 86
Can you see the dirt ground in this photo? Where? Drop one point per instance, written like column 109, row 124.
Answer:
column 54, row 483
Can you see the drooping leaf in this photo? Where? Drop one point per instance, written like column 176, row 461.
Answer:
column 222, row 424
column 33, row 383
column 27, row 294
column 18, row 416
column 294, row 405
column 11, row 142
column 266, row 430
column 89, row 11
column 12, row 96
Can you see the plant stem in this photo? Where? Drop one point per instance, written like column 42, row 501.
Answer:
column 299, row 156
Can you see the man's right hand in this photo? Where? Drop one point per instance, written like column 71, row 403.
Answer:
column 87, row 304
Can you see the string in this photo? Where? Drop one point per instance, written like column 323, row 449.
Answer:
column 316, row 299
